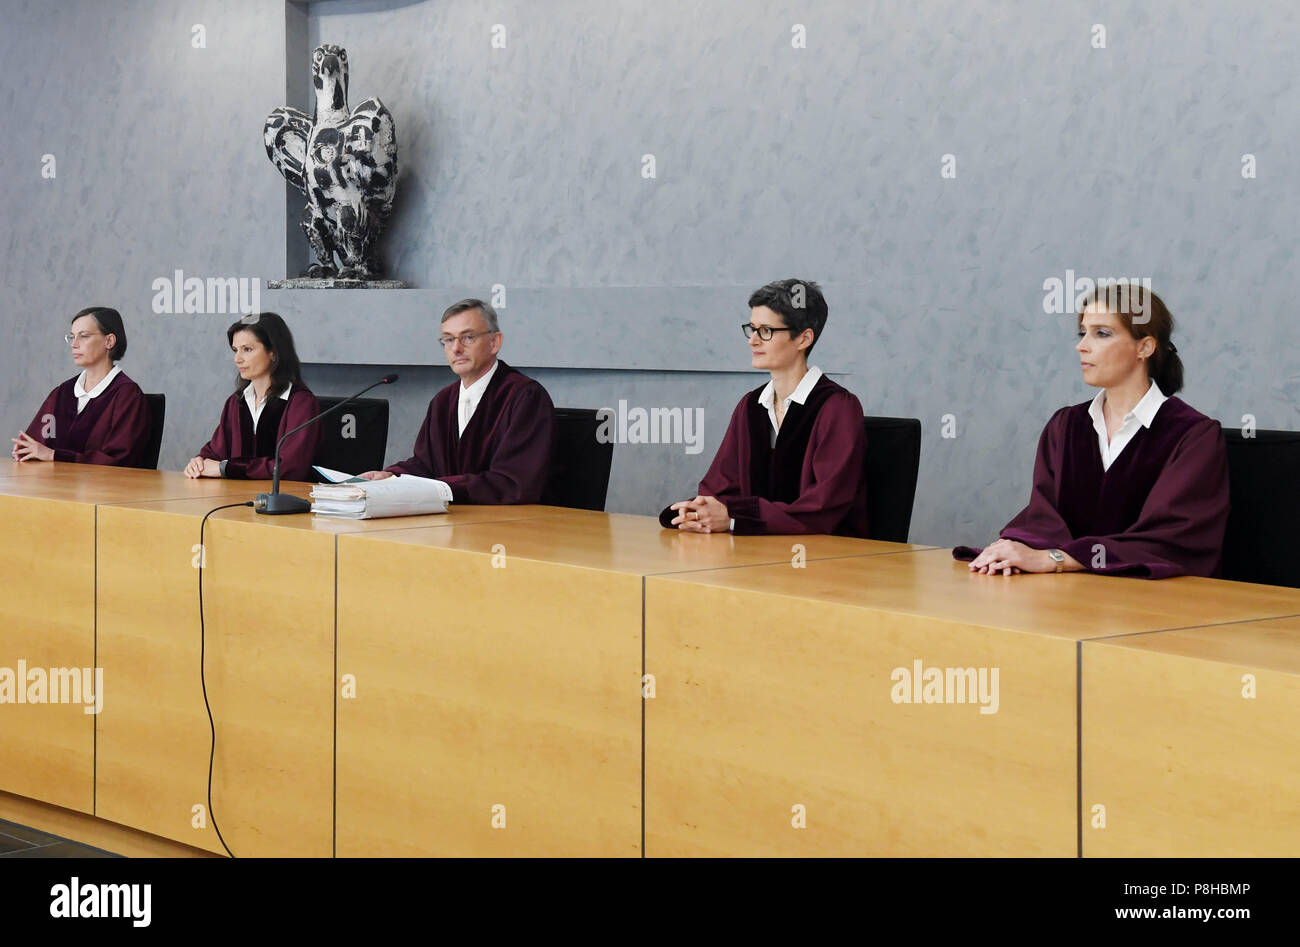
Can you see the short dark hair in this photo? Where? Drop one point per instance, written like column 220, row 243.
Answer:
column 274, row 334
column 799, row 301
column 110, row 323
column 465, row 305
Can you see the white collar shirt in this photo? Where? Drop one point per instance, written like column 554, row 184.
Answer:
column 767, row 397
column 1143, row 413
column 471, row 396
column 83, row 396
column 255, row 409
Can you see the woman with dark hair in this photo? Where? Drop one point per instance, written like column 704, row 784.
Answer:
column 793, row 457
column 98, row 417
column 269, row 400
column 1133, row 482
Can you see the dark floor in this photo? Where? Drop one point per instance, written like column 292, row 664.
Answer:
column 18, row 841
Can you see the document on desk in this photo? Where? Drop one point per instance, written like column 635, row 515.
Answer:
column 337, row 476
column 370, row 499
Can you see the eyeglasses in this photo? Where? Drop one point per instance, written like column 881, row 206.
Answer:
column 84, row 337
column 465, row 338
column 764, row 332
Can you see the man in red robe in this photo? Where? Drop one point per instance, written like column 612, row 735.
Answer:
column 489, row 435
column 793, row 459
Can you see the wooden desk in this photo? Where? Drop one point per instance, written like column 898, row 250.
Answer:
column 269, row 609
column 1183, row 761
column 500, row 665
column 47, row 618
column 498, row 655
column 11, row 468
column 775, row 690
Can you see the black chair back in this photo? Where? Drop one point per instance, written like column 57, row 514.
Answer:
column 1263, row 478
column 893, row 462
column 353, row 439
column 158, row 408
column 579, row 476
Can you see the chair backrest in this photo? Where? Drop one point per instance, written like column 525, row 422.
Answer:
column 579, row 476
column 1264, row 485
column 893, row 462
column 353, row 439
column 158, row 408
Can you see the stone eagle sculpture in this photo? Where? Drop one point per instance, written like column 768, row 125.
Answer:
column 346, row 164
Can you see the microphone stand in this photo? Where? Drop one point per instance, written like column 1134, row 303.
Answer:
column 276, row 503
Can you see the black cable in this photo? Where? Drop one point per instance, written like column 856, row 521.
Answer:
column 212, row 750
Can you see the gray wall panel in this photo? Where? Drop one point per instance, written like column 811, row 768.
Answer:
column 522, row 167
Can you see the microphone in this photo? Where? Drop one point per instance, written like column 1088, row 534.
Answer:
column 275, row 502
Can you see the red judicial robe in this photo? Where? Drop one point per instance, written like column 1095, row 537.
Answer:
column 812, row 481
column 252, row 456
column 504, row 455
column 114, row 427
column 1159, row 511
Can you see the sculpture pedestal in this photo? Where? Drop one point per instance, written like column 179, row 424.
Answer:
column 334, row 282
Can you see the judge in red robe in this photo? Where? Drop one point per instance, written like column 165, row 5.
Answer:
column 269, row 401
column 1132, row 483
column 489, row 435
column 98, row 417
column 793, row 457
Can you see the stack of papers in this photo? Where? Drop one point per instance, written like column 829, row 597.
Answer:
column 358, row 499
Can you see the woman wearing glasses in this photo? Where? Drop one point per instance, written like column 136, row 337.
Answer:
column 1133, row 482
column 270, row 399
column 489, row 435
column 98, row 417
column 793, row 458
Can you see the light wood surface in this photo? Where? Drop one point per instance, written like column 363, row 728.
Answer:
column 479, row 687
column 500, row 664
column 774, row 690
column 498, row 653
column 1075, row 606
column 47, row 620
column 12, row 468
column 88, row 830
column 47, row 589
column 1273, row 644
column 768, row 701
column 1184, row 763
column 90, row 483
column 269, row 608
column 268, row 603
column 635, row 545
column 457, row 515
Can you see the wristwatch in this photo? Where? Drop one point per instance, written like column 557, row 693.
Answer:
column 1058, row 557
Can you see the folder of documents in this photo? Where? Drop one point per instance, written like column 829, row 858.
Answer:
column 359, row 499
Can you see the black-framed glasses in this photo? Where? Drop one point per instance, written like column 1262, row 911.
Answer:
column 764, row 332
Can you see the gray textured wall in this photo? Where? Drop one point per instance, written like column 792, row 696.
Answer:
column 522, row 167
column 158, row 167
